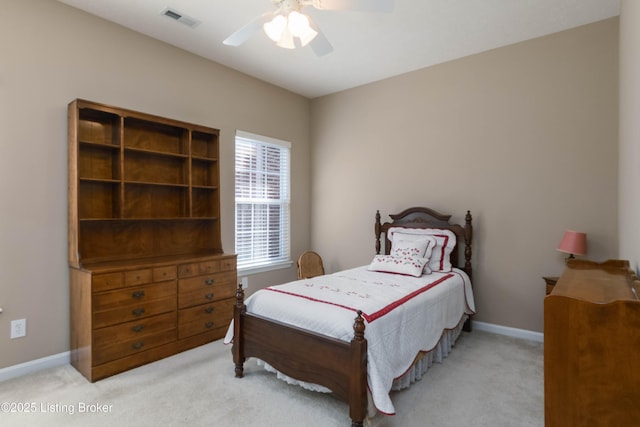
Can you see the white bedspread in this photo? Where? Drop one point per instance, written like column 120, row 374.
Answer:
column 403, row 315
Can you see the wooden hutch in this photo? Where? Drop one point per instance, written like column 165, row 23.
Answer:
column 148, row 275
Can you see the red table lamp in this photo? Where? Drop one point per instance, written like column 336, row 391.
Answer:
column 573, row 243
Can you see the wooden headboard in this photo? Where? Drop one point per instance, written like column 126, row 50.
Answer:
column 428, row 218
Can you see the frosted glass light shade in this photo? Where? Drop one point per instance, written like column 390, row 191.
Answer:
column 275, row 28
column 282, row 29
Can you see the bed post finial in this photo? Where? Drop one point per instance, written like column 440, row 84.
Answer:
column 358, row 327
column 377, row 231
column 468, row 238
column 239, row 296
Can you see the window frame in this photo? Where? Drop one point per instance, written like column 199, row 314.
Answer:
column 280, row 262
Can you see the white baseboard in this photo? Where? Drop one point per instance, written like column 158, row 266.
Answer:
column 508, row 331
column 35, row 365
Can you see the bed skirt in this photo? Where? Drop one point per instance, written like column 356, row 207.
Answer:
column 421, row 364
column 424, row 360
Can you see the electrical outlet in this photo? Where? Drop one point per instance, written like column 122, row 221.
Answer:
column 18, row 328
column 245, row 282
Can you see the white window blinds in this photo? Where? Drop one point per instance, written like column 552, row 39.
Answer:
column 262, row 200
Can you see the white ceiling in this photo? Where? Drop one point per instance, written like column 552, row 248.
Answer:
column 367, row 46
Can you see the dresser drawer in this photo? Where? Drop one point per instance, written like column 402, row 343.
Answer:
column 133, row 295
column 198, row 297
column 196, row 268
column 161, row 274
column 105, row 337
column 205, row 289
column 209, row 267
column 215, row 311
column 107, row 281
column 204, row 318
column 133, row 312
column 109, row 342
column 188, row 270
column 228, row 264
column 138, row 277
column 207, row 281
column 135, row 345
column 206, row 267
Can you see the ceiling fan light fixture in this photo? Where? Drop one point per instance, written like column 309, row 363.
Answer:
column 289, row 28
column 307, row 37
column 275, row 28
column 286, row 40
column 300, row 27
column 282, row 29
column 298, row 23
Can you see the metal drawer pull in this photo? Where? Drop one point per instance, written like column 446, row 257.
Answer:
column 209, row 295
column 208, row 281
column 208, row 310
column 137, row 345
column 137, row 328
column 138, row 312
column 137, row 294
column 208, row 325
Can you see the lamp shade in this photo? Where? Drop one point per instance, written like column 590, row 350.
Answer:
column 574, row 243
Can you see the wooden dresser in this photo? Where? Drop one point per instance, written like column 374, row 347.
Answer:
column 592, row 346
column 148, row 276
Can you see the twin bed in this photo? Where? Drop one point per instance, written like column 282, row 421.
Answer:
column 413, row 301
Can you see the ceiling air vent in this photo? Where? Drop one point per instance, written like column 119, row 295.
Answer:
column 180, row 17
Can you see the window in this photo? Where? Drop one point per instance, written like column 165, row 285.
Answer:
column 262, row 202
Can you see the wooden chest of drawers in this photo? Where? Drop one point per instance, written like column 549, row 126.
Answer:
column 124, row 316
column 205, row 297
column 591, row 342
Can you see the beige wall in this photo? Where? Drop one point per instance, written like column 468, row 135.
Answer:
column 524, row 136
column 52, row 54
column 630, row 131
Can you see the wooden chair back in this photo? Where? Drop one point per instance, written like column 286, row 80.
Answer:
column 310, row 265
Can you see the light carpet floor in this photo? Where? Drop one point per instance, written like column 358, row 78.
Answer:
column 487, row 380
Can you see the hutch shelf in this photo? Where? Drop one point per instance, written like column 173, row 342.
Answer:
column 148, row 275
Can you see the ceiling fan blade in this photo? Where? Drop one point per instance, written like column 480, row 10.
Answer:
column 361, row 5
column 244, row 33
column 320, row 44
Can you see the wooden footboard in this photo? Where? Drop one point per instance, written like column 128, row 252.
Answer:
column 305, row 356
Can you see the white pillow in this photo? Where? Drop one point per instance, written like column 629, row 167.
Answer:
column 410, row 266
column 440, row 259
column 421, row 247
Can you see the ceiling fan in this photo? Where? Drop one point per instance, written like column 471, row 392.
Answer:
column 289, row 27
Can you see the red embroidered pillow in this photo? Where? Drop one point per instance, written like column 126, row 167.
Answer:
column 410, row 266
column 413, row 246
column 440, row 259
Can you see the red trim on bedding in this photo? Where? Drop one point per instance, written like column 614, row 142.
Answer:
column 406, row 298
column 444, row 247
column 371, row 317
